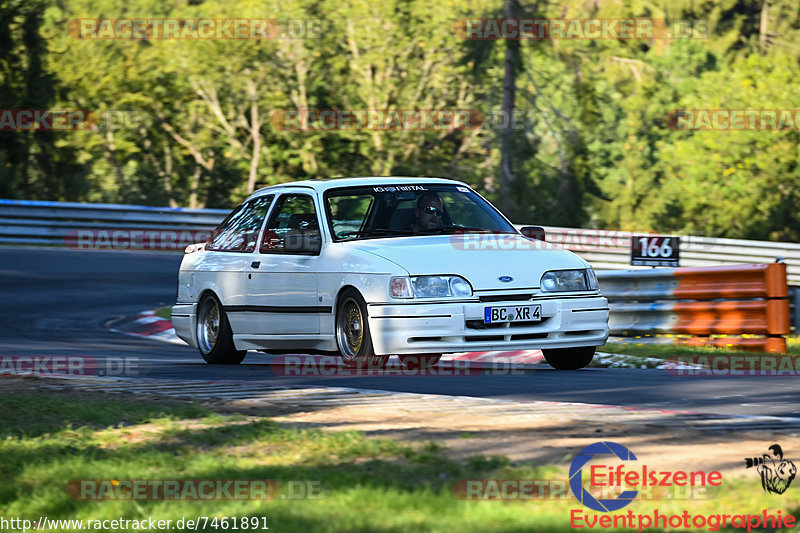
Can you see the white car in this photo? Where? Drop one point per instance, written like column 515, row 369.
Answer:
column 370, row 267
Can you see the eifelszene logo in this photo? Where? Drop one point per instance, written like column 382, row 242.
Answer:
column 620, row 477
column 776, row 472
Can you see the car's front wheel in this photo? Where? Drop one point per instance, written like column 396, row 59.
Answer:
column 569, row 358
column 214, row 334
column 352, row 333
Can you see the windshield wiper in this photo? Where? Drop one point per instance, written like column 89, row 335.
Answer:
column 349, row 233
column 465, row 229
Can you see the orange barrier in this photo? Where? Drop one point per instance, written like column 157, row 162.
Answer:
column 765, row 317
column 742, row 281
column 702, row 301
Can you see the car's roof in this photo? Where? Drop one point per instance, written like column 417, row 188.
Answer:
column 321, row 185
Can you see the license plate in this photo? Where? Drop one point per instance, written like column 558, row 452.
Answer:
column 514, row 313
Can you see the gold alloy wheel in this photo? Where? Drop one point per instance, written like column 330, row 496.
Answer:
column 350, row 329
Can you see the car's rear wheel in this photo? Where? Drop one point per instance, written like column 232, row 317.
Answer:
column 214, row 334
column 569, row 358
column 352, row 333
column 418, row 361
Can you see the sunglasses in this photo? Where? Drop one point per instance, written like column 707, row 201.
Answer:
column 430, row 210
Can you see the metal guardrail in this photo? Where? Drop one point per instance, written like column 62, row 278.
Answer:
column 53, row 223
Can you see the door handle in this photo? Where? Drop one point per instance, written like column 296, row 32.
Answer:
column 255, row 264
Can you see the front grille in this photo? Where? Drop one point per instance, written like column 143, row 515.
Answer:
column 486, row 338
column 506, row 298
column 529, row 336
column 424, row 339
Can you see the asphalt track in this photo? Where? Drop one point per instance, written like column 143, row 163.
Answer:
column 56, row 302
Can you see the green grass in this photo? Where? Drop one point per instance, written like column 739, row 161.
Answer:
column 24, row 415
column 641, row 348
column 164, row 312
column 367, row 484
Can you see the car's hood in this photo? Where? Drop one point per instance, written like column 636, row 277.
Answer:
column 481, row 258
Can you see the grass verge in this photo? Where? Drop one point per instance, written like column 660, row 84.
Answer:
column 665, row 351
column 365, row 484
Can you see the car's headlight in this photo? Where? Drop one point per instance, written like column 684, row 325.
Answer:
column 429, row 287
column 569, row 280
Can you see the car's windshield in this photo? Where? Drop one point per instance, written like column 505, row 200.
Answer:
column 403, row 210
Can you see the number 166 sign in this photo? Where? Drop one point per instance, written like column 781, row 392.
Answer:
column 655, row 250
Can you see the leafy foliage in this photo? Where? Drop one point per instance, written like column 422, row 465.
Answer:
column 593, row 147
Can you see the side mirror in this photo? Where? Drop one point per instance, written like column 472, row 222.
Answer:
column 533, row 232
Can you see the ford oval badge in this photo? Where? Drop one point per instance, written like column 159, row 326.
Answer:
column 505, row 279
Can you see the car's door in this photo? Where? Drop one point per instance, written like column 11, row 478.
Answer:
column 282, row 288
column 231, row 250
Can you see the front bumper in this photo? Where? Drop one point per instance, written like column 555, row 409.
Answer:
column 458, row 327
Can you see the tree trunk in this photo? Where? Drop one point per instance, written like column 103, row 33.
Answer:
column 507, row 134
column 255, row 134
column 111, row 155
column 194, row 186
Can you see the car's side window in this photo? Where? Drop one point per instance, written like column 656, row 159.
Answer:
column 293, row 227
column 239, row 231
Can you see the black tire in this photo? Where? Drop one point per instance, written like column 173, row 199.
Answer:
column 214, row 334
column 419, row 361
column 352, row 333
column 569, row 358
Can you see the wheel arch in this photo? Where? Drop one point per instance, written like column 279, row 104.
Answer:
column 205, row 292
column 339, row 294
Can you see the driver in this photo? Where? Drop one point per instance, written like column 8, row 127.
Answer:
column 428, row 213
